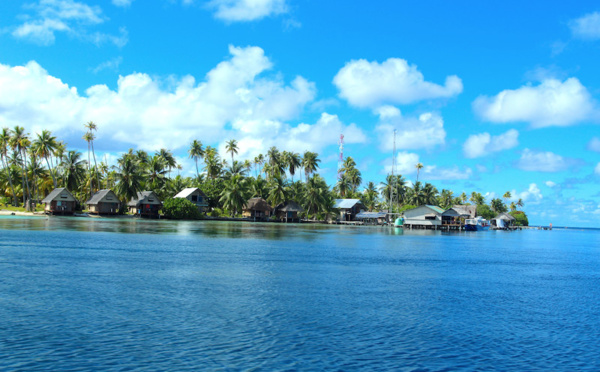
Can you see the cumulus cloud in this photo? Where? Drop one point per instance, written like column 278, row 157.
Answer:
column 422, row 132
column 147, row 113
column 47, row 17
column 586, row 27
column 371, row 84
column 551, row 103
column 478, row 145
column 594, row 144
column 532, row 194
column 122, row 3
column 550, row 184
column 246, row 10
column 542, row 161
column 406, row 165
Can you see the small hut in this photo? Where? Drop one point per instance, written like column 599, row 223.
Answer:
column 373, row 218
column 423, row 217
column 503, row 221
column 349, row 208
column 257, row 208
column 59, row 201
column 456, row 216
column 145, row 204
column 104, row 202
column 196, row 196
column 288, row 211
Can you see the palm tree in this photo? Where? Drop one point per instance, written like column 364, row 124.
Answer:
column 196, row 151
column 234, row 194
column 258, row 187
column 44, row 146
column 370, row 196
column 259, row 160
column 92, row 127
column 155, row 173
column 520, row 203
column 72, row 169
column 4, row 144
column 317, row 198
column 310, row 163
column 20, row 143
column 497, row 205
column 276, row 163
column 278, row 190
column 419, row 166
column 168, row 158
column 232, row 148
column 129, row 179
column 506, row 196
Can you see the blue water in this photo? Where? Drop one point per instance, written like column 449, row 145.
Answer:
column 128, row 295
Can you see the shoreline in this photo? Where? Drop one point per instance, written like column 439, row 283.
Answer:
column 4, row 212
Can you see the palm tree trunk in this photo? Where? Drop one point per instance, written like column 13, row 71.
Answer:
column 12, row 188
column 51, row 172
column 25, row 180
column 95, row 166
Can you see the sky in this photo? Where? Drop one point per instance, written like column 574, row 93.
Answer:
column 489, row 97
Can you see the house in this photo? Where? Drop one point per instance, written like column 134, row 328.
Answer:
column 349, row 208
column 59, row 201
column 456, row 215
column 423, row 217
column 374, row 218
column 257, row 208
column 145, row 204
column 196, row 196
column 104, row 202
column 503, row 221
column 288, row 211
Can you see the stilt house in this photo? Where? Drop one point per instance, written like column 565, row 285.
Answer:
column 146, row 204
column 59, row 201
column 258, row 209
column 196, row 196
column 289, row 211
column 104, row 202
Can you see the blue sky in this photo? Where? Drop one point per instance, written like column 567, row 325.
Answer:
column 490, row 98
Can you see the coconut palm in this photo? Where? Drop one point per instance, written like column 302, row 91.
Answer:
column 520, row 203
column 20, row 142
column 92, row 127
column 72, row 169
column 258, row 187
column 234, row 194
column 196, row 152
column 497, row 205
column 155, row 173
column 231, row 147
column 4, row 145
column 419, row 166
column 259, row 160
column 168, row 158
column 44, row 146
column 310, row 163
column 370, row 195
column 506, row 196
column 129, row 178
column 278, row 190
column 294, row 162
column 317, row 199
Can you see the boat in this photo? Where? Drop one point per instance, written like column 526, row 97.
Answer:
column 477, row 224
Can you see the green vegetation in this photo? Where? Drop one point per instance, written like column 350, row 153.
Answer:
column 180, row 209
column 32, row 166
column 521, row 218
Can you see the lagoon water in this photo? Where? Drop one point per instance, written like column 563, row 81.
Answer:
column 109, row 294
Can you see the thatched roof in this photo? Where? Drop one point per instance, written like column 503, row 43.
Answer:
column 505, row 217
column 105, row 195
column 144, row 197
column 289, row 206
column 60, row 193
column 257, row 204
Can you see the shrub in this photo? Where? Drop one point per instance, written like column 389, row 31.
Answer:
column 521, row 218
column 180, row 209
column 485, row 211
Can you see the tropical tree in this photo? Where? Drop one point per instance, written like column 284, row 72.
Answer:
column 294, row 162
column 259, row 160
column 278, row 190
column 419, row 166
column 72, row 168
column 231, row 147
column 196, row 152
column 498, row 206
column 19, row 141
column 370, row 196
column 506, row 196
column 44, row 146
column 92, row 127
column 4, row 145
column 129, row 179
column 310, row 163
column 155, row 173
column 234, row 194
column 168, row 158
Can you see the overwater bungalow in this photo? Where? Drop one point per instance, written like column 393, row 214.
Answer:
column 349, row 208
column 60, row 201
column 146, row 204
column 104, row 202
column 423, row 217
column 196, row 196
column 372, row 218
column 289, row 211
column 503, row 221
column 258, row 209
column 454, row 218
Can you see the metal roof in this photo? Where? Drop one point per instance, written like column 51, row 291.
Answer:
column 55, row 193
column 187, row 192
column 99, row 195
column 142, row 198
column 364, row 215
column 345, row 203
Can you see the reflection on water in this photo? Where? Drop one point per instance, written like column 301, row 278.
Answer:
column 128, row 294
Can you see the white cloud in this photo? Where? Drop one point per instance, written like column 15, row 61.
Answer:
column 372, row 84
column 542, row 161
column 597, row 169
column 406, row 165
column 112, row 64
column 234, row 101
column 550, row 184
column 422, row 132
column 532, row 194
column 247, row 10
column 552, row 103
column 68, row 16
column 586, row 27
column 594, row 144
column 483, row 144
